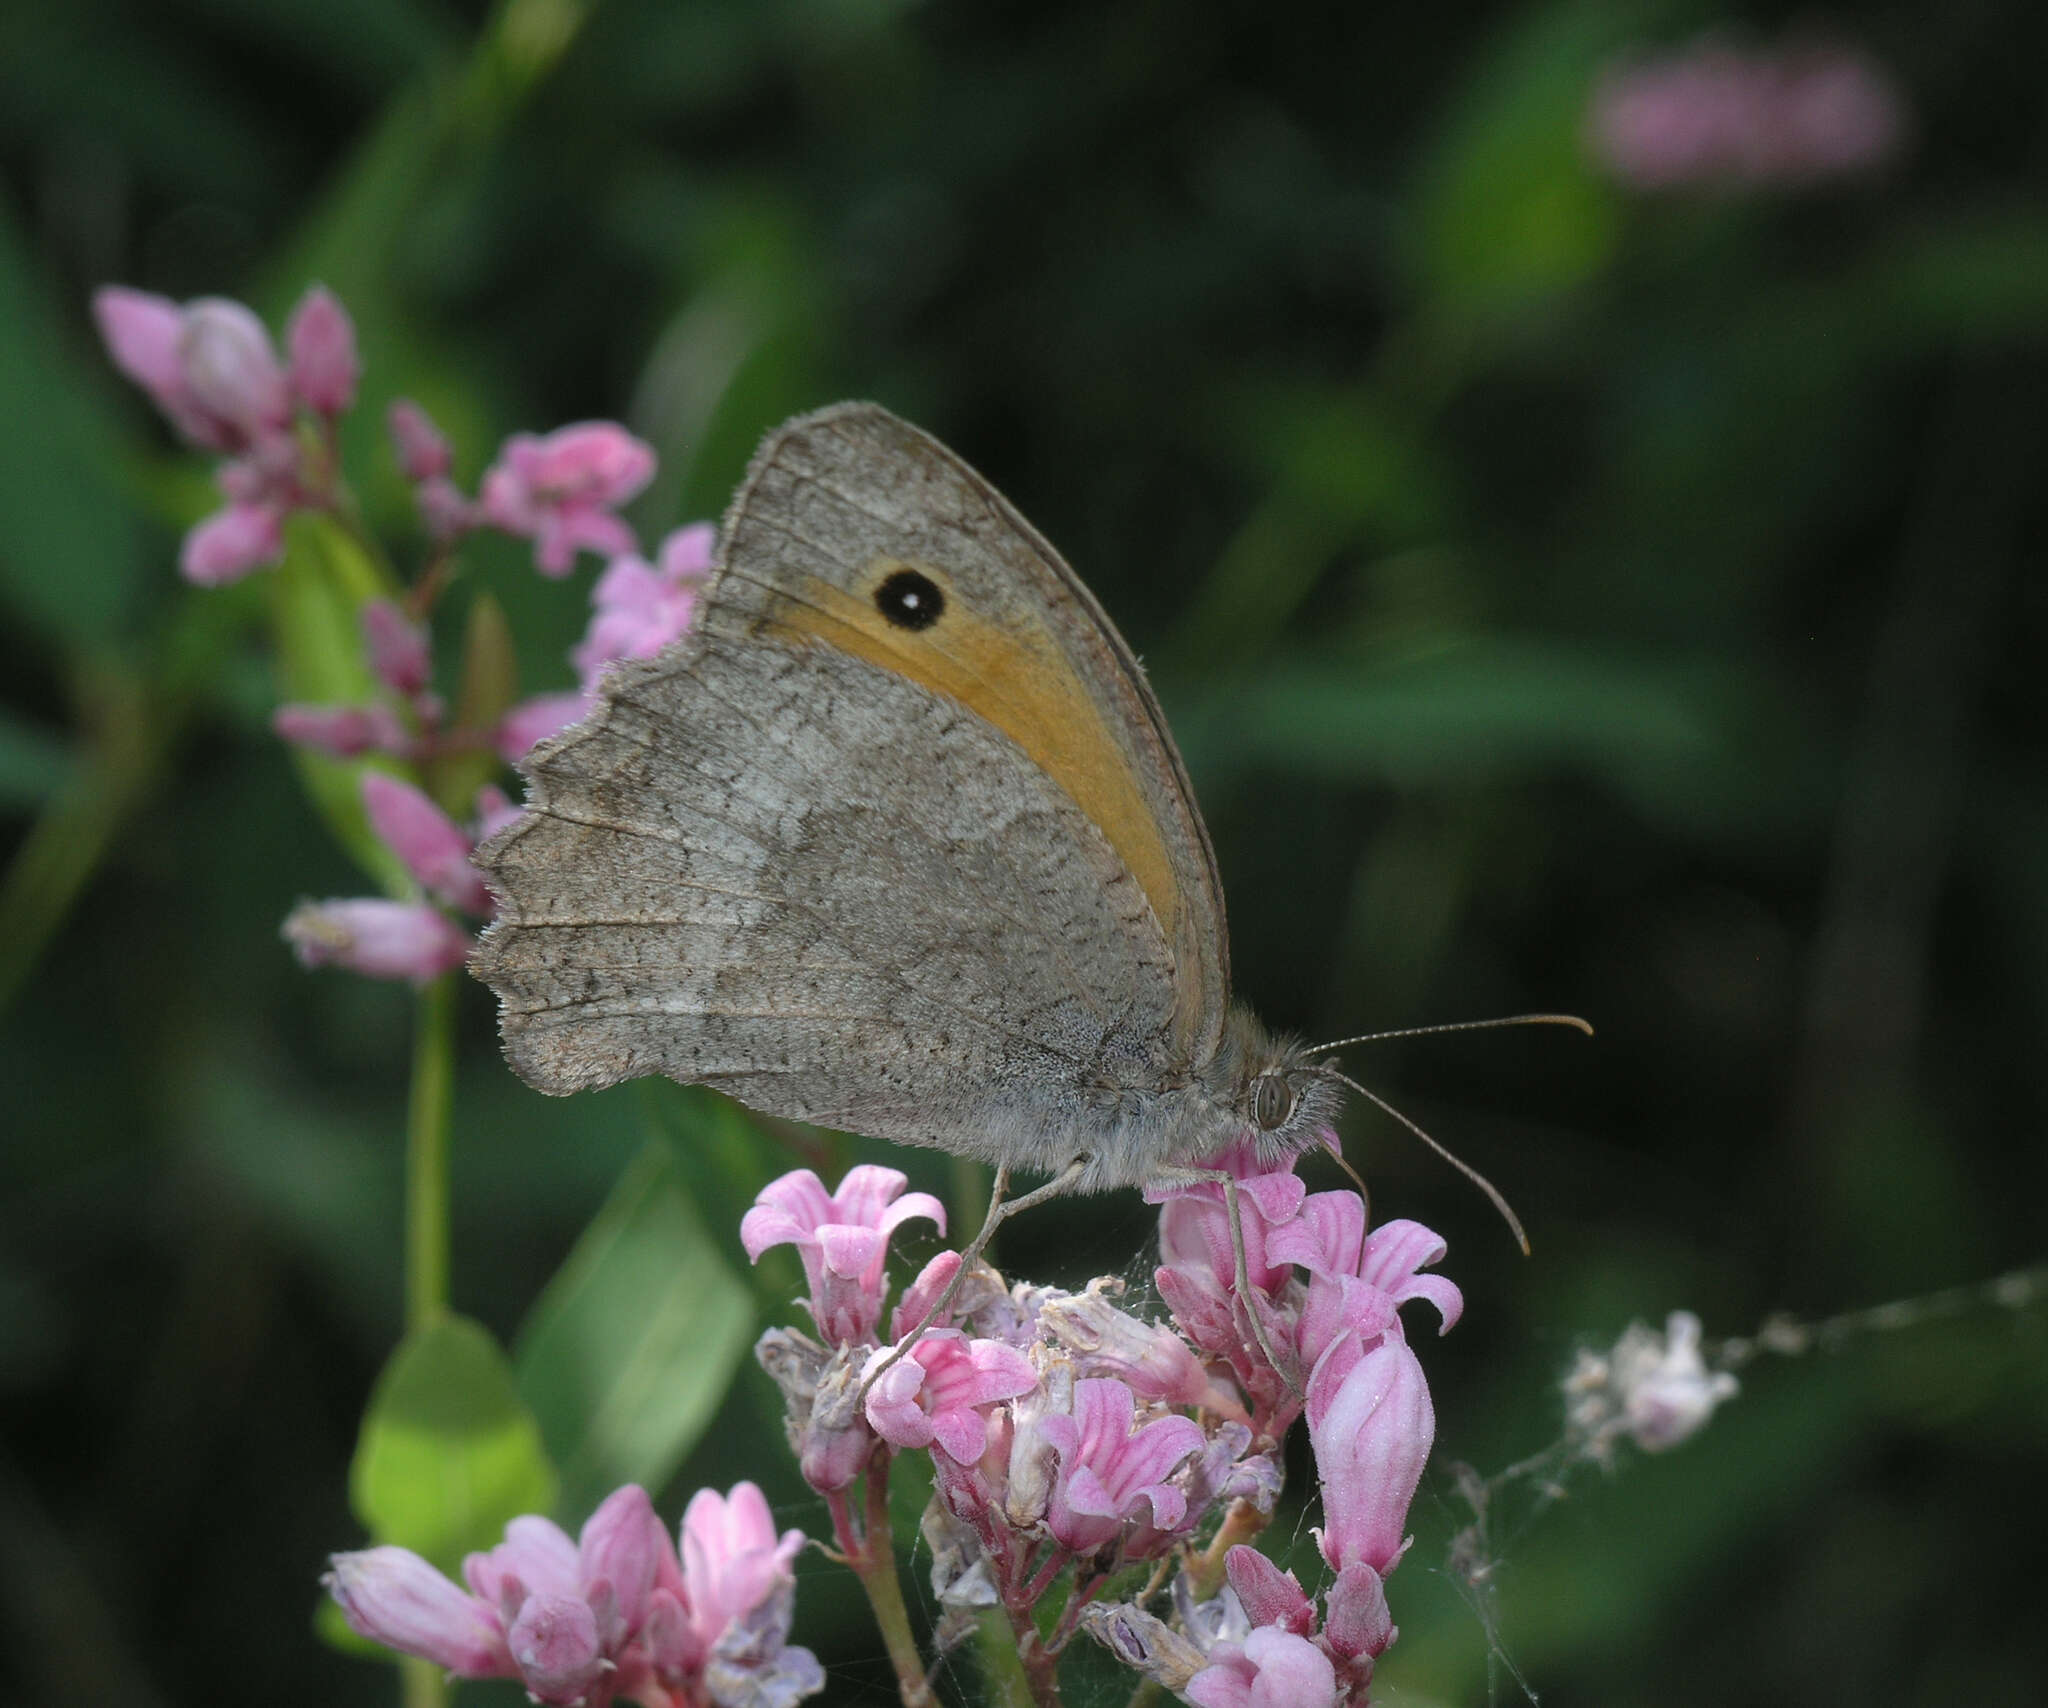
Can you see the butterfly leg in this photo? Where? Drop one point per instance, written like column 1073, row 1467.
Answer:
column 1000, row 1209
column 1233, row 1204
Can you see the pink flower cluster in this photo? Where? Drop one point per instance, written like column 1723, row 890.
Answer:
column 1716, row 114
column 209, row 365
column 1068, row 1435
column 616, row 1615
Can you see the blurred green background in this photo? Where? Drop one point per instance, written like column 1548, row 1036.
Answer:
column 1567, row 597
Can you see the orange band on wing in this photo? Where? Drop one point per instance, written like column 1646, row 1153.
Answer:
column 1016, row 678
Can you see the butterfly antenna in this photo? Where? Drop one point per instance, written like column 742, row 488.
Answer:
column 1462, row 1026
column 1472, row 1174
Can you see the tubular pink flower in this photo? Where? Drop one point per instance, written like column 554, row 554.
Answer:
column 1370, row 1427
column 232, row 542
column 392, row 1596
column 638, row 608
column 842, row 1238
column 732, row 1558
column 1148, row 1357
column 1270, row 1669
column 321, row 340
column 935, row 1393
column 537, row 1557
column 141, row 331
column 533, row 720
column 432, row 847
column 423, row 452
column 1108, row 1473
column 397, row 647
column 345, row 732
column 380, row 939
column 560, row 491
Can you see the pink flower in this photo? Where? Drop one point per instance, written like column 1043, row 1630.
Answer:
column 423, row 451
column 322, row 341
column 732, row 1558
column 1357, row 1281
column 1713, row 113
column 433, row 848
column 936, row 1392
column 1370, row 1426
column 640, row 608
column 842, row 1237
column 1270, row 1669
column 232, row 542
column 1148, row 1357
column 343, row 732
column 397, row 648
column 560, row 491
column 532, row 720
column 613, row 1613
column 1111, row 1477
column 392, row 1596
column 380, row 939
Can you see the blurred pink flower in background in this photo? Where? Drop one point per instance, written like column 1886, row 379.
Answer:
column 560, row 491
column 381, row 939
column 1714, row 114
column 210, row 367
column 638, row 607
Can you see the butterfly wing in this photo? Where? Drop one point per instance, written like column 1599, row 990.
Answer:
column 895, row 841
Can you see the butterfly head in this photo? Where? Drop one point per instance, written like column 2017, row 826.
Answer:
column 1274, row 1088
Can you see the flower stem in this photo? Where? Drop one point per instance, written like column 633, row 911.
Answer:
column 426, row 1153
column 872, row 1555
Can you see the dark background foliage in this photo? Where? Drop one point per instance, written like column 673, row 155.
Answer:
column 1566, row 598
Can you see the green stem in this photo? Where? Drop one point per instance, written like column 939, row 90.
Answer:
column 873, row 1559
column 426, row 1154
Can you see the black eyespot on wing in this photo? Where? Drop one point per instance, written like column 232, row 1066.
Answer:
column 910, row 600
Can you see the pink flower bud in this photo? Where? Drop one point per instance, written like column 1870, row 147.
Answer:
column 429, row 843
column 393, row 1597
column 1268, row 1595
column 623, row 1544
column 230, row 543
column 398, row 649
column 447, row 514
column 380, row 939
column 345, row 732
column 231, row 370
column 1371, row 1428
column 422, row 450
column 554, row 1643
column 322, row 342
column 142, row 333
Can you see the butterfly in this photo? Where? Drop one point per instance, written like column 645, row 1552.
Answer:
column 895, row 841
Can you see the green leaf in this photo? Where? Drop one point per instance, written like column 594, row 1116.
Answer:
column 1511, row 214
column 33, row 764
column 629, row 1351
column 316, row 597
column 70, row 558
column 490, row 683
column 448, row 1452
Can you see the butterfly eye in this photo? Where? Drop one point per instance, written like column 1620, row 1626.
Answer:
column 1272, row 1100
column 910, row 600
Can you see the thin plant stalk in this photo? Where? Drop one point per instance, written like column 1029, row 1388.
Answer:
column 428, row 1111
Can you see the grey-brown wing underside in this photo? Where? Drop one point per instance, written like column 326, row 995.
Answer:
column 783, row 872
